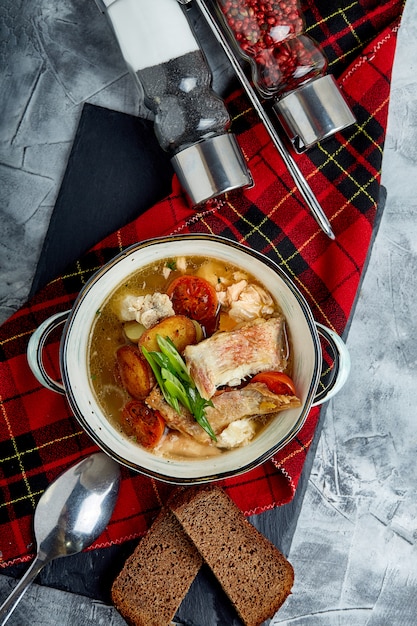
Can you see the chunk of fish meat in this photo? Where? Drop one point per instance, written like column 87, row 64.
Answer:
column 238, row 434
column 147, row 310
column 227, row 358
column 246, row 301
column 183, row 421
column 177, row 444
column 254, row 400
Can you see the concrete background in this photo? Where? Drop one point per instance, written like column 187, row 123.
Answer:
column 354, row 550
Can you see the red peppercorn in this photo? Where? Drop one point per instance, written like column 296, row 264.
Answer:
column 270, row 32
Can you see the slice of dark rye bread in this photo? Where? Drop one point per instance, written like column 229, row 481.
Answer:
column 201, row 523
column 157, row 576
column 252, row 571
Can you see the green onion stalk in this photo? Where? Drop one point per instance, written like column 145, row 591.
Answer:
column 177, row 386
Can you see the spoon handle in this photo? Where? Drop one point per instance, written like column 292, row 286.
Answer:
column 8, row 606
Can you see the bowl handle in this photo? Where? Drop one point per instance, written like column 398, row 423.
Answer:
column 35, row 351
column 41, row 334
column 341, row 365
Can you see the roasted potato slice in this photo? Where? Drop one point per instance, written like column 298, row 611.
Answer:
column 179, row 328
column 135, row 373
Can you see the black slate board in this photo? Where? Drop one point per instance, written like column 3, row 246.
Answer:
column 116, row 170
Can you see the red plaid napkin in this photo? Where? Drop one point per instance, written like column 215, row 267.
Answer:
column 39, row 438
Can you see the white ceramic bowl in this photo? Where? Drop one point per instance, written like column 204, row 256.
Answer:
column 306, row 348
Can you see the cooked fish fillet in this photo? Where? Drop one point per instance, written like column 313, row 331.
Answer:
column 253, row 400
column 184, row 422
column 177, row 444
column 226, row 358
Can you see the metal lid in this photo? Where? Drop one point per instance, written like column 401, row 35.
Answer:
column 211, row 167
column 314, row 111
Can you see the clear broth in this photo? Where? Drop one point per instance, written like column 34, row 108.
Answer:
column 108, row 334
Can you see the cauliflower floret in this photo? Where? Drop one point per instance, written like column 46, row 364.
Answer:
column 147, row 310
column 238, row 433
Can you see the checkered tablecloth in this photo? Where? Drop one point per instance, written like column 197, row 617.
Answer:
column 39, row 437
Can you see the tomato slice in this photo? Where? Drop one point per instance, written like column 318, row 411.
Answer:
column 277, row 382
column 194, row 297
column 145, row 424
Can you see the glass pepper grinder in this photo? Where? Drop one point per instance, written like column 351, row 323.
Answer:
column 191, row 122
column 288, row 66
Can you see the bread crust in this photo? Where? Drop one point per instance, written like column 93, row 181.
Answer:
column 254, row 574
column 157, row 576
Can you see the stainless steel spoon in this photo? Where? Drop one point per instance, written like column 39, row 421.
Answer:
column 72, row 512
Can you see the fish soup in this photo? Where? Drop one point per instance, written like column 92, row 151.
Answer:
column 190, row 357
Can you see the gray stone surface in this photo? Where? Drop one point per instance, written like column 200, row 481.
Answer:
column 355, row 546
column 45, row 77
